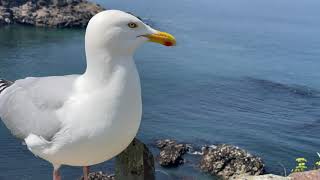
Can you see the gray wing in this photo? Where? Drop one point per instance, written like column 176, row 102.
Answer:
column 29, row 105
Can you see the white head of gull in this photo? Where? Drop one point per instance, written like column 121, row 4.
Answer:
column 82, row 120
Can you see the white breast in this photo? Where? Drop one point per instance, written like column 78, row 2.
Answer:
column 102, row 120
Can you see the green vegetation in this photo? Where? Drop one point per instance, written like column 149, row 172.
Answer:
column 302, row 164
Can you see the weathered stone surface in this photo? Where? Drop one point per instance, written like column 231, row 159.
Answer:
column 49, row 13
column 171, row 153
column 11, row 3
column 5, row 16
column 307, row 175
column 263, row 177
column 229, row 161
column 99, row 176
column 135, row 163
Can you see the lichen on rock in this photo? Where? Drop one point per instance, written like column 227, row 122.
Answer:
column 230, row 161
column 48, row 13
column 307, row 175
column 171, row 153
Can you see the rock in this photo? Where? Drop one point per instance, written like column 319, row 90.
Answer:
column 307, row 175
column 99, row 176
column 5, row 16
column 229, row 161
column 42, row 3
column 12, row 3
column 171, row 153
column 263, row 177
column 50, row 13
column 135, row 163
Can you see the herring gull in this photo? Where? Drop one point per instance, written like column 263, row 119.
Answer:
column 82, row 120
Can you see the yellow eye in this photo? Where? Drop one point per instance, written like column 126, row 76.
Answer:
column 132, row 25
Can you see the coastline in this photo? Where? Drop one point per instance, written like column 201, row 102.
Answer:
column 220, row 161
column 48, row 13
column 225, row 161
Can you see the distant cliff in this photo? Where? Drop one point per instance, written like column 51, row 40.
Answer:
column 48, row 13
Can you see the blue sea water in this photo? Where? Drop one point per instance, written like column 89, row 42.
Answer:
column 244, row 73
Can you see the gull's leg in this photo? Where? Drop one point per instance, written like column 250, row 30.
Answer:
column 56, row 174
column 86, row 172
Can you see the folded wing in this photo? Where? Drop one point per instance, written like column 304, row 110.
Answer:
column 29, row 105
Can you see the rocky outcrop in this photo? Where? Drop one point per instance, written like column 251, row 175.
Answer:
column 11, row 3
column 171, row 153
column 5, row 16
column 136, row 163
column 230, row 161
column 307, row 175
column 263, row 177
column 48, row 13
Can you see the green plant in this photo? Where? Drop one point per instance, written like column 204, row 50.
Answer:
column 317, row 164
column 301, row 165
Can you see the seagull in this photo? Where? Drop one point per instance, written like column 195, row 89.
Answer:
column 83, row 120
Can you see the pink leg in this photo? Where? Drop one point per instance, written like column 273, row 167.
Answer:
column 56, row 174
column 86, row 170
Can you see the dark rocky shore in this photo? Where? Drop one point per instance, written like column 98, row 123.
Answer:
column 230, row 161
column 171, row 153
column 222, row 160
column 48, row 13
column 225, row 161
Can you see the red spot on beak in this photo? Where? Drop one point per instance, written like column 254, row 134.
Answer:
column 167, row 43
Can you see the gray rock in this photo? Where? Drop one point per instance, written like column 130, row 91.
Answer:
column 7, row 20
column 229, row 161
column 12, row 3
column 306, row 175
column 59, row 3
column 135, row 163
column 42, row 3
column 5, row 16
column 263, row 177
column 49, row 13
column 171, row 153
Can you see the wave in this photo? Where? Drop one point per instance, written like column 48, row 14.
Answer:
column 299, row 90
column 195, row 152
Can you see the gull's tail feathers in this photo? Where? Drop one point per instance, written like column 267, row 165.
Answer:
column 4, row 84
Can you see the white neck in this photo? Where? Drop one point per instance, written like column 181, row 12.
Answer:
column 101, row 65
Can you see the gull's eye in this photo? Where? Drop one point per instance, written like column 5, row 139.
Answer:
column 132, row 25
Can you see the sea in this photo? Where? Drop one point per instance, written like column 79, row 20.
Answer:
column 244, row 72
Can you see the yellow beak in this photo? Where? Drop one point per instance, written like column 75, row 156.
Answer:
column 162, row 38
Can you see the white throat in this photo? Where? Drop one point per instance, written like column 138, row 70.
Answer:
column 103, row 67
